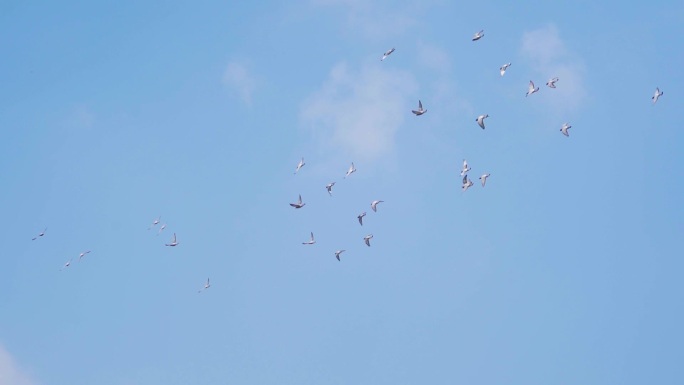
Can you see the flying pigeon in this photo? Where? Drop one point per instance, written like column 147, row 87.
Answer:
column 656, row 95
column 565, row 129
column 299, row 203
column 552, row 83
column 478, row 35
column 206, row 286
column 483, row 179
column 39, row 235
column 329, row 187
column 156, row 222
column 465, row 168
column 374, row 205
column 337, row 254
column 351, row 170
column 531, row 89
column 480, row 120
column 311, row 241
column 367, row 239
column 66, row 265
column 360, row 216
column 466, row 183
column 161, row 228
column 503, row 68
column 173, row 241
column 384, row 56
column 83, row 254
column 420, row 111
column 299, row 165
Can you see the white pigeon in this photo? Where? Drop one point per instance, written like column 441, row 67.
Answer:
column 351, row 170
column 656, row 95
column 206, row 286
column 565, row 129
column 156, row 222
column 174, row 242
column 552, row 82
column 83, row 254
column 299, row 165
column 329, row 187
column 420, row 111
column 39, row 235
column 161, row 229
column 310, row 242
column 503, row 68
column 483, row 179
column 360, row 216
column 465, row 168
column 367, row 239
column 531, row 89
column 66, row 265
column 299, row 203
column 337, row 254
column 480, row 120
column 466, row 183
column 389, row 52
column 374, row 205
column 478, row 35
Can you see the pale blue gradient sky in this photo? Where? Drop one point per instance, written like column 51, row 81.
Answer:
column 563, row 270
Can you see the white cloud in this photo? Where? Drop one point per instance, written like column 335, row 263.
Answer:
column 357, row 113
column 10, row 373
column 237, row 77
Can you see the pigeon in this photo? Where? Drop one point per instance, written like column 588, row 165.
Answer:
column 367, row 239
column 478, row 35
column 299, row 165
column 483, row 179
column 206, row 286
column 384, row 56
column 552, row 83
column 83, row 254
column 337, row 254
column 480, row 120
column 156, row 222
column 360, row 216
column 465, row 168
column 299, row 203
column 565, row 129
column 329, row 187
column 351, row 170
column 161, row 228
column 420, row 111
column 503, row 68
column 311, row 241
column 66, row 265
column 374, row 205
column 531, row 89
column 173, row 241
column 39, row 235
column 466, row 183
column 656, row 95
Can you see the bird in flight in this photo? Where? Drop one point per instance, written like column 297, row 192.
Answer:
column 420, row 111
column 360, row 216
column 389, row 52
column 480, row 120
column 565, row 129
column 206, row 286
column 155, row 222
column 503, row 68
column 478, row 35
column 66, row 265
column 161, row 228
column 299, row 204
column 483, row 179
column 299, row 165
column 174, row 242
column 552, row 82
column 465, row 168
column 329, row 187
column 531, row 88
column 311, row 241
column 367, row 239
column 374, row 205
column 656, row 95
column 337, row 254
column 39, row 235
column 83, row 254
column 466, row 182
column 351, row 170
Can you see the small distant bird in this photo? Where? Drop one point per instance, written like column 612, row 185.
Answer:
column 351, row 170
column 83, row 254
column 374, row 205
column 478, row 35
column 503, row 68
column 360, row 216
column 173, row 241
column 66, row 265
column 161, row 228
column 531, row 88
column 329, row 187
column 552, row 82
column 420, row 111
column 389, row 52
column 310, row 242
column 299, row 165
column 367, row 239
column 480, row 120
column 39, row 235
column 466, row 183
column 206, row 286
column 565, row 129
column 657, row 94
column 337, row 254
column 299, row 203
column 465, row 168
column 156, row 222
column 483, row 179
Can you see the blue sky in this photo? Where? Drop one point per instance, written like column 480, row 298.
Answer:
column 563, row 269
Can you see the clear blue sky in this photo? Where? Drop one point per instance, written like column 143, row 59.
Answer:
column 564, row 269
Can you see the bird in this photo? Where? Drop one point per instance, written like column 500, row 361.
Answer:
column 299, row 165
column 420, row 111
column 206, row 286
column 367, row 239
column 360, row 216
column 465, row 168
column 478, row 35
column 483, row 179
column 311, row 241
column 656, row 95
column 389, row 52
column 565, row 129
column 161, row 228
column 155, row 222
column 39, row 235
column 337, row 254
column 83, row 254
column 299, row 203
column 66, row 265
column 351, row 170
column 374, row 205
column 466, row 182
column 552, row 82
column 503, row 68
column 480, row 120
column 329, row 187
column 531, row 89
column 173, row 241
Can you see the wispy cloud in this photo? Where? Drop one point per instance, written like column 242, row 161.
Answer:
column 549, row 57
column 10, row 373
column 358, row 112
column 238, row 78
